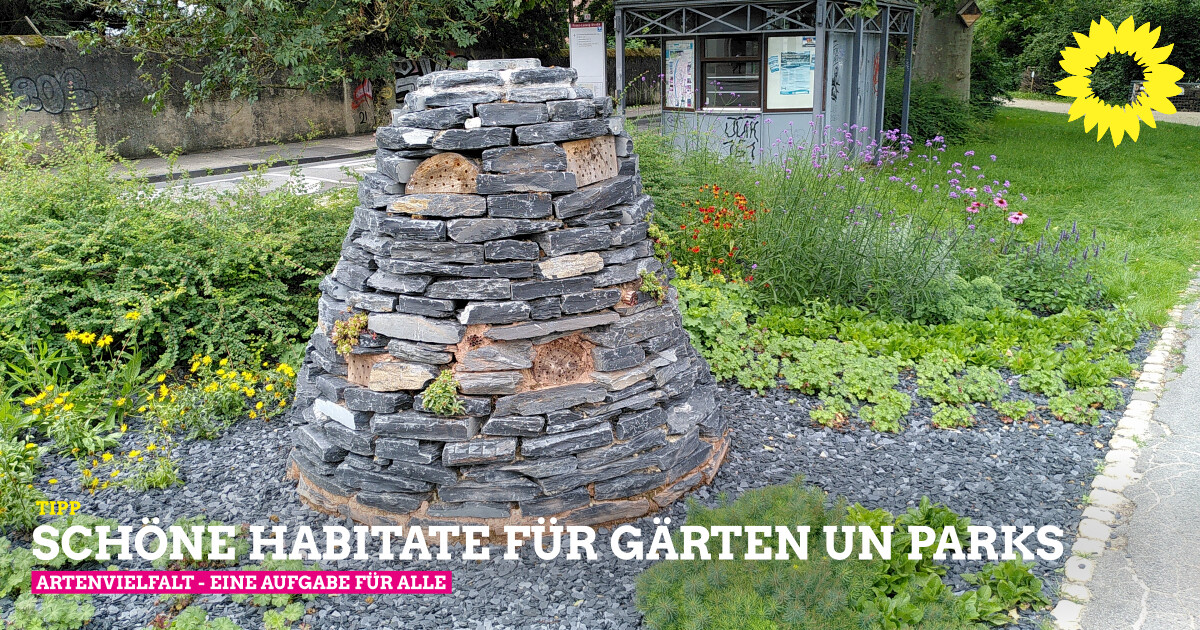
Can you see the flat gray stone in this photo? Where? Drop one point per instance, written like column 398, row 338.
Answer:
column 511, row 114
column 472, row 139
column 416, row 327
column 511, row 355
column 567, row 443
column 440, row 118
column 480, row 230
column 610, row 192
column 514, row 426
column 423, row 426
column 489, row 383
column 434, row 354
column 511, row 250
column 575, row 240
column 544, row 181
column 396, row 283
column 440, row 205
column 542, row 401
column 560, row 131
column 421, row 229
column 480, row 451
column 483, row 289
column 538, row 157
column 535, row 205
column 541, row 328
column 494, row 312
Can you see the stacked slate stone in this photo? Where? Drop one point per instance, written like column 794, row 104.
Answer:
column 503, row 237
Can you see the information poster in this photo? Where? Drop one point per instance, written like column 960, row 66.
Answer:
column 680, row 66
column 589, row 55
column 791, row 71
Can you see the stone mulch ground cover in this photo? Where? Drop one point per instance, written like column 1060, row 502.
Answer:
column 1034, row 473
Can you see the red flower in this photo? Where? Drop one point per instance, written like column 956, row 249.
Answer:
column 695, row 250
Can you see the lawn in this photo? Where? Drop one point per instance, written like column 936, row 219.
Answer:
column 1141, row 196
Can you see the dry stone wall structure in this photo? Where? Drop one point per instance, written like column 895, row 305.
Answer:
column 503, row 237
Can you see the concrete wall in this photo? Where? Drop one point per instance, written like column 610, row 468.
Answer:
column 52, row 80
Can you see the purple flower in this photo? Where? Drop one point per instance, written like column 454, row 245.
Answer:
column 969, row 153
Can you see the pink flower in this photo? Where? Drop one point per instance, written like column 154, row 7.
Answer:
column 1017, row 218
column 1000, row 202
column 975, row 207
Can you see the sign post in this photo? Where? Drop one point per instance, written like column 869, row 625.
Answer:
column 589, row 55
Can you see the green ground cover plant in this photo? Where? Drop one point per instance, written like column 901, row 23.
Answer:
column 820, row 592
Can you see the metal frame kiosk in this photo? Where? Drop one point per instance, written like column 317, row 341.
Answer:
column 748, row 75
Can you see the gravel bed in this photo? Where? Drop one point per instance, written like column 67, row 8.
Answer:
column 995, row 473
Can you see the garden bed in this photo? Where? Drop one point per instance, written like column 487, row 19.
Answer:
column 1022, row 473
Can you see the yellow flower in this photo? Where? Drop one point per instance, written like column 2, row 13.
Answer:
column 258, row 405
column 121, row 402
column 52, row 481
column 151, row 446
column 87, row 338
column 104, row 341
column 30, row 445
column 161, row 378
column 50, row 387
column 134, row 453
column 142, row 409
column 87, row 473
column 124, row 427
column 37, row 412
column 133, row 316
column 31, row 401
column 1101, row 41
column 223, row 362
column 106, row 457
column 264, row 364
column 114, row 473
column 248, row 392
column 282, row 403
column 220, row 372
column 195, row 366
column 207, row 360
column 269, row 387
column 68, row 406
column 162, row 392
column 72, row 335
column 59, row 400
column 253, row 415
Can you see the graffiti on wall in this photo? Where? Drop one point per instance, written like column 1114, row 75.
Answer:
column 361, row 94
column 408, row 71
column 54, row 94
column 741, row 136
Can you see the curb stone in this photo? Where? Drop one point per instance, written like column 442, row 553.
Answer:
column 1107, row 500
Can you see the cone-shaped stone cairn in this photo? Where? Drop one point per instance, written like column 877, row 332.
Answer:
column 503, row 237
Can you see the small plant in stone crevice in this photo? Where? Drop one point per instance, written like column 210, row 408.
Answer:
column 1014, row 410
column 652, row 285
column 953, row 416
column 441, row 396
column 346, row 332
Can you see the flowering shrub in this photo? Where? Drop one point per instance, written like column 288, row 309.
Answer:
column 214, row 395
column 712, row 232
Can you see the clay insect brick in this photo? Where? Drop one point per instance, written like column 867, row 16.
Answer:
column 502, row 238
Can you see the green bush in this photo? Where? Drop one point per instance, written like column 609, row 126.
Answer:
column 820, row 593
column 933, row 111
column 83, row 248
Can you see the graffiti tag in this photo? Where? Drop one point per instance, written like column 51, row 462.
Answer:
column 408, row 71
column 66, row 92
column 361, row 93
column 741, row 136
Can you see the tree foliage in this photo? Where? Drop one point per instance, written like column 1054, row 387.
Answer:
column 235, row 49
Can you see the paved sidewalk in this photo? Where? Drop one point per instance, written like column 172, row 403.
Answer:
column 242, row 160
column 1149, row 577
column 1182, row 118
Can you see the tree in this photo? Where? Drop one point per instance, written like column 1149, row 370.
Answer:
column 235, row 49
column 51, row 17
column 943, row 47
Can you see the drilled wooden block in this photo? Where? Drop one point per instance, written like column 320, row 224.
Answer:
column 564, row 360
column 592, row 160
column 444, row 173
column 358, row 367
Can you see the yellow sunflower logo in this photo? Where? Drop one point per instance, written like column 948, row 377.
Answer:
column 1105, row 47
